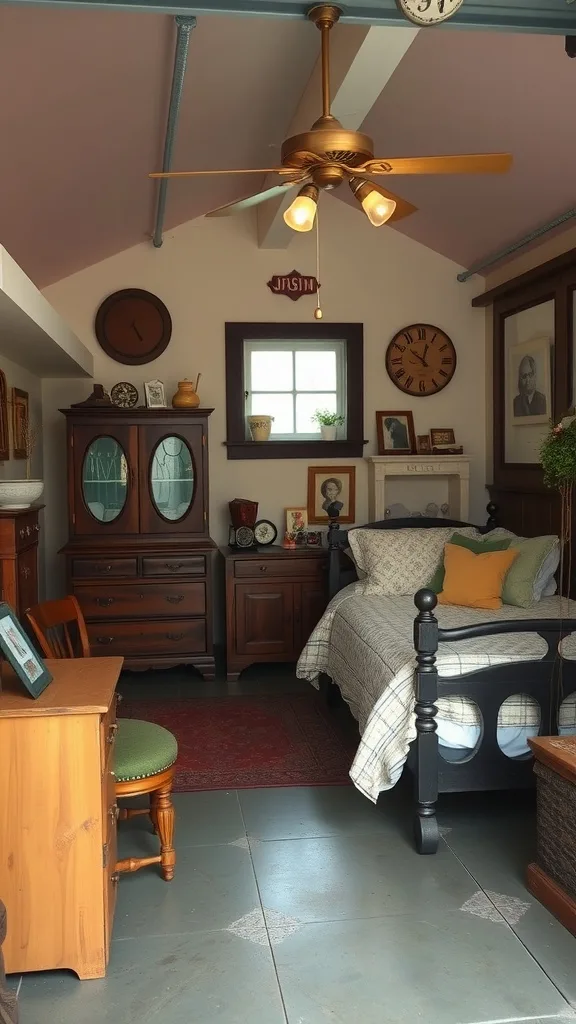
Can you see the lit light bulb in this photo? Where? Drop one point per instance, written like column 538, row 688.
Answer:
column 301, row 213
column 378, row 208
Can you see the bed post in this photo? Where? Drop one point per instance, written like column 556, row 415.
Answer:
column 333, row 557
column 492, row 521
column 426, row 678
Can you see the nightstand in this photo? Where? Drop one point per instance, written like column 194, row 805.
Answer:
column 274, row 598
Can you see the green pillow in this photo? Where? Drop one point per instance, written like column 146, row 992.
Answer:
column 518, row 586
column 478, row 547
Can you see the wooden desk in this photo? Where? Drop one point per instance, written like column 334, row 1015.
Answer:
column 58, row 818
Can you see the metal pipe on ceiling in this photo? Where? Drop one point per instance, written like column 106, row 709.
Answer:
column 489, row 261
column 184, row 26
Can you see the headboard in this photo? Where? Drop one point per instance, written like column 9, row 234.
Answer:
column 341, row 569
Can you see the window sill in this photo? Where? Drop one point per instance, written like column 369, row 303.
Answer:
column 295, row 449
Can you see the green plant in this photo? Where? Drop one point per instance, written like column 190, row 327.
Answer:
column 325, row 418
column 558, row 455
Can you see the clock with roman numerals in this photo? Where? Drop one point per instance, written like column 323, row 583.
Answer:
column 421, row 360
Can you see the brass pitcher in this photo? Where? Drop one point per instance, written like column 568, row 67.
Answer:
column 187, row 395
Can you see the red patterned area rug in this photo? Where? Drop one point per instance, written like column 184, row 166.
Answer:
column 246, row 742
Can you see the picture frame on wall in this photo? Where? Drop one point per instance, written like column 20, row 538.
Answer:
column 4, row 427
column 331, row 494
column 528, row 382
column 20, row 423
column 18, row 651
column 395, row 431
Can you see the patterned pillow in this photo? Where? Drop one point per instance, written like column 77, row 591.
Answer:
column 398, row 562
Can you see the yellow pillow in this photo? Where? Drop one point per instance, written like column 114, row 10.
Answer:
column 475, row 581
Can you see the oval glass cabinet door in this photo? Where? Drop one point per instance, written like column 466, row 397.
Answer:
column 172, row 478
column 105, row 479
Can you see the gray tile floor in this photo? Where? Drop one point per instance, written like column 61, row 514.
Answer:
column 310, row 906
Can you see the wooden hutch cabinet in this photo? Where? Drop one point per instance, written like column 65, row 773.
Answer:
column 139, row 558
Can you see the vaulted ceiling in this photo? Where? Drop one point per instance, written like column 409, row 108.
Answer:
column 85, row 96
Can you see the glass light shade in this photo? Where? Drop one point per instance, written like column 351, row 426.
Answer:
column 378, row 208
column 301, row 213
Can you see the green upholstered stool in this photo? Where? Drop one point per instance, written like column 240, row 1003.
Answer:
column 144, row 759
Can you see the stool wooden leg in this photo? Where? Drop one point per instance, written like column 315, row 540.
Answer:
column 152, row 813
column 163, row 810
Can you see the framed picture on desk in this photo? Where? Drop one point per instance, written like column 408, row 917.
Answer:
column 18, row 651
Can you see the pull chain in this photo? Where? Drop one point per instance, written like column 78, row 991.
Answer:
column 318, row 311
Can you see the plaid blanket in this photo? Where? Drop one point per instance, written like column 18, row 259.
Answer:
column 365, row 644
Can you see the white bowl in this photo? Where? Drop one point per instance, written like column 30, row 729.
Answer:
column 16, row 494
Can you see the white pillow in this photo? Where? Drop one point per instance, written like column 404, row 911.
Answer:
column 545, row 584
column 398, row 562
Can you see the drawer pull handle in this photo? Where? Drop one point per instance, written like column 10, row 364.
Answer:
column 175, row 636
column 104, row 639
column 104, row 601
column 115, row 878
column 114, row 811
column 112, row 730
column 263, row 568
column 25, row 571
column 37, row 527
column 174, row 566
column 175, row 598
column 103, row 568
column 22, row 532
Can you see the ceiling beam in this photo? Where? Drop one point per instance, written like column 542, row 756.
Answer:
column 549, row 17
column 362, row 60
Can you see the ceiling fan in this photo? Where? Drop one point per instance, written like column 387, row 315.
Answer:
column 322, row 158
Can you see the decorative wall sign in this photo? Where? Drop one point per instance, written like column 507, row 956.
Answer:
column 294, row 285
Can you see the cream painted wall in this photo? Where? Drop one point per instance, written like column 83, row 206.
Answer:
column 211, row 271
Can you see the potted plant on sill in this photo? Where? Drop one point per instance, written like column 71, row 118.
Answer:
column 328, row 423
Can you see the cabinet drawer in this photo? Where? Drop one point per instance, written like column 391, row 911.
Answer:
column 104, row 567
column 133, row 639
column 174, row 565
column 135, row 600
column 27, row 529
column 281, row 567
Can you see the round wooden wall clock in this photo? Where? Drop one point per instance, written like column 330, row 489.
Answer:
column 421, row 360
column 133, row 326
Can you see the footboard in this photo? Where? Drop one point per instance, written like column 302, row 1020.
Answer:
column 547, row 680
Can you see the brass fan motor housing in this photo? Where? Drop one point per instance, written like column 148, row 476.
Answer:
column 323, row 147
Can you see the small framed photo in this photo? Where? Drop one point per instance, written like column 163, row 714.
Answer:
column 395, row 433
column 16, row 648
column 442, row 437
column 155, row 397
column 423, row 444
column 314, row 538
column 20, row 423
column 296, row 520
column 331, row 493
column 528, row 382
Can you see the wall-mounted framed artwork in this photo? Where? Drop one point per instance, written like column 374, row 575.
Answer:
column 528, row 382
column 20, row 423
column 4, row 428
column 331, row 493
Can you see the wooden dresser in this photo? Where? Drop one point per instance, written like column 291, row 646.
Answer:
column 139, row 557
column 19, row 532
column 58, row 818
column 274, row 598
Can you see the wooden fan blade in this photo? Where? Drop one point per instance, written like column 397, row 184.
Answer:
column 470, row 163
column 253, row 200
column 235, row 170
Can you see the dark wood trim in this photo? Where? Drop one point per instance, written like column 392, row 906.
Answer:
column 555, row 266
column 238, row 447
column 547, row 892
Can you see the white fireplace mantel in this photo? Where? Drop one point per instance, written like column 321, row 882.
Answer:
column 453, row 468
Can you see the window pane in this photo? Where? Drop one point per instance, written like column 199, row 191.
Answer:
column 270, row 371
column 281, row 407
column 315, row 370
column 307, row 404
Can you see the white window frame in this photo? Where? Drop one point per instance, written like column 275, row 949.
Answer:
column 337, row 345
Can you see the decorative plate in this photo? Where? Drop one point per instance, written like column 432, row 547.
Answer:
column 265, row 532
column 244, row 537
column 124, row 395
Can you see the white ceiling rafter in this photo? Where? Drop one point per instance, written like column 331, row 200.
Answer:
column 362, row 62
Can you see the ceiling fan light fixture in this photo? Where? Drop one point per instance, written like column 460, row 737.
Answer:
column 377, row 207
column 301, row 213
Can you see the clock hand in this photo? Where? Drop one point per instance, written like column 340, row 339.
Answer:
column 136, row 330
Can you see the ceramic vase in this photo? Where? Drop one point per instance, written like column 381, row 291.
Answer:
column 186, row 396
column 260, row 427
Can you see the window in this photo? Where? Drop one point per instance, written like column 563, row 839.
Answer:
column 288, row 371
column 290, row 380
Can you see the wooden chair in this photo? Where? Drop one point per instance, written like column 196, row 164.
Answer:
column 144, row 754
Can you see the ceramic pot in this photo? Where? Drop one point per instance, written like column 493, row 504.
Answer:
column 260, row 427
column 186, row 396
column 15, row 494
column 328, row 432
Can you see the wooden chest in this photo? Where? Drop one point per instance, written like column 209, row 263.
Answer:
column 552, row 879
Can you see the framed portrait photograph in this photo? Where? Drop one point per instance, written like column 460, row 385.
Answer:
column 296, row 520
column 331, row 493
column 395, row 433
column 528, row 384
column 20, row 418
column 18, row 651
column 423, row 444
column 155, row 397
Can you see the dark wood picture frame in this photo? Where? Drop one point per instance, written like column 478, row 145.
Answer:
column 238, row 447
column 329, row 472
column 4, row 424
column 20, row 422
column 18, row 651
column 402, row 452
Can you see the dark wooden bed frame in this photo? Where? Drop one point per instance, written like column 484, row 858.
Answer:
column 487, row 768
